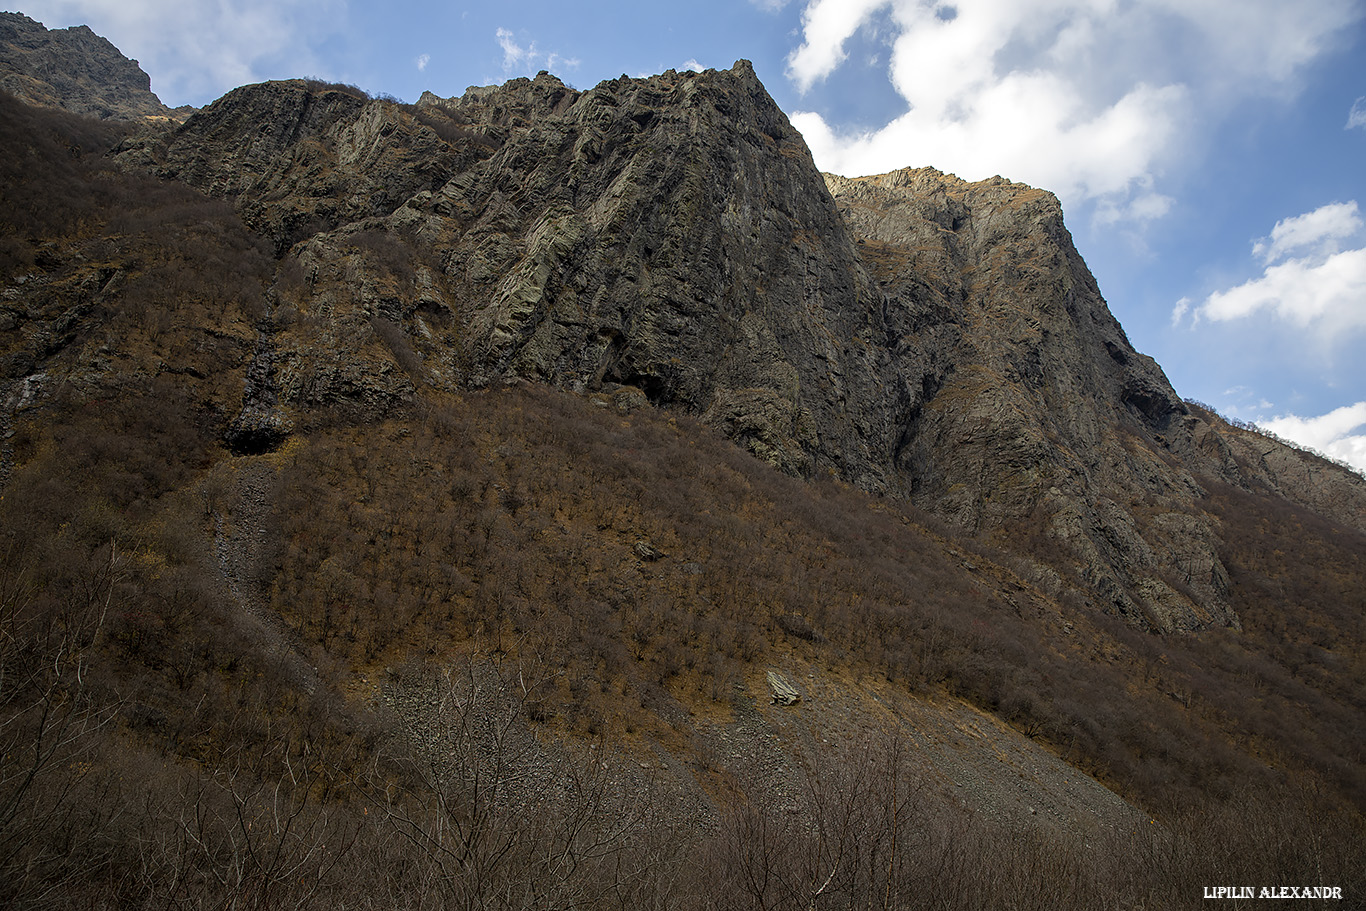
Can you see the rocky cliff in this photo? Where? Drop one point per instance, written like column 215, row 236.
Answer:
column 670, row 235
column 594, row 447
column 915, row 334
column 76, row 70
column 1038, row 410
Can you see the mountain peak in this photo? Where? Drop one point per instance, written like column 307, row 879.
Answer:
column 592, row 445
column 76, row 70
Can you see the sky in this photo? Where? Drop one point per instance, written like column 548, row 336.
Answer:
column 1210, row 155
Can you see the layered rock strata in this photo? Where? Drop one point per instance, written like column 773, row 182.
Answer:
column 912, row 333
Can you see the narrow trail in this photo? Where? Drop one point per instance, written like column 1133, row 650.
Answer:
column 239, row 545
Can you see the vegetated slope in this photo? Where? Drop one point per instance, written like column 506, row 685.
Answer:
column 654, row 564
column 397, row 550
column 613, row 569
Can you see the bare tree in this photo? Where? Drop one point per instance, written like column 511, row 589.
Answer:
column 503, row 820
column 50, row 725
column 849, row 840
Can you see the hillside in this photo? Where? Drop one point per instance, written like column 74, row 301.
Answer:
column 917, row 336
column 378, row 477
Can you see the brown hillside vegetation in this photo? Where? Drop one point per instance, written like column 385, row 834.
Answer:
column 462, row 533
column 469, row 655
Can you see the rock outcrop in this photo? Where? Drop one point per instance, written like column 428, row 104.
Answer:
column 912, row 333
column 76, row 70
column 300, row 157
column 1035, row 408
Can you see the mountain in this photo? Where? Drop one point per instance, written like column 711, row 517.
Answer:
column 377, row 470
column 916, row 335
column 75, row 70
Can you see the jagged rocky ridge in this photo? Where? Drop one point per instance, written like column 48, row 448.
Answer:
column 76, row 70
column 670, row 239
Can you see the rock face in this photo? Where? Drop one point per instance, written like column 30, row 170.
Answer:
column 301, row 157
column 671, row 234
column 76, row 70
column 911, row 333
column 1035, row 407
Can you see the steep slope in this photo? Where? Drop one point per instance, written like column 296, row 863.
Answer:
column 318, row 623
column 75, row 70
column 919, row 336
column 671, row 234
column 1256, row 461
column 1038, row 409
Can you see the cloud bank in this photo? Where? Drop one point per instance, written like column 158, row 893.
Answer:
column 1308, row 280
column 1090, row 98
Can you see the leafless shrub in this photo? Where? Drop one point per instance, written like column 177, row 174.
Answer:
column 51, row 727
column 482, row 777
column 398, row 344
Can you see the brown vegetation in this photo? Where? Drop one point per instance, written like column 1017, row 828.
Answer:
column 552, row 574
column 504, row 525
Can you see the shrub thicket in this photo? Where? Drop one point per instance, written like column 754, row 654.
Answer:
column 163, row 742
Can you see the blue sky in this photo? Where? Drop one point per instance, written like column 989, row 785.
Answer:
column 1210, row 155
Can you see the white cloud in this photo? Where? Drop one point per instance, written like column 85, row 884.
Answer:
column 1330, row 294
column 1317, row 232
column 1356, row 117
column 513, row 53
column 529, row 60
column 422, row 61
column 1180, row 310
column 1030, row 127
column 1321, row 286
column 693, row 65
column 1139, row 209
column 198, row 51
column 826, row 25
column 1092, row 99
column 1330, row 434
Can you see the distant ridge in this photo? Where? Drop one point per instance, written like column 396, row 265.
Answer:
column 75, row 70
